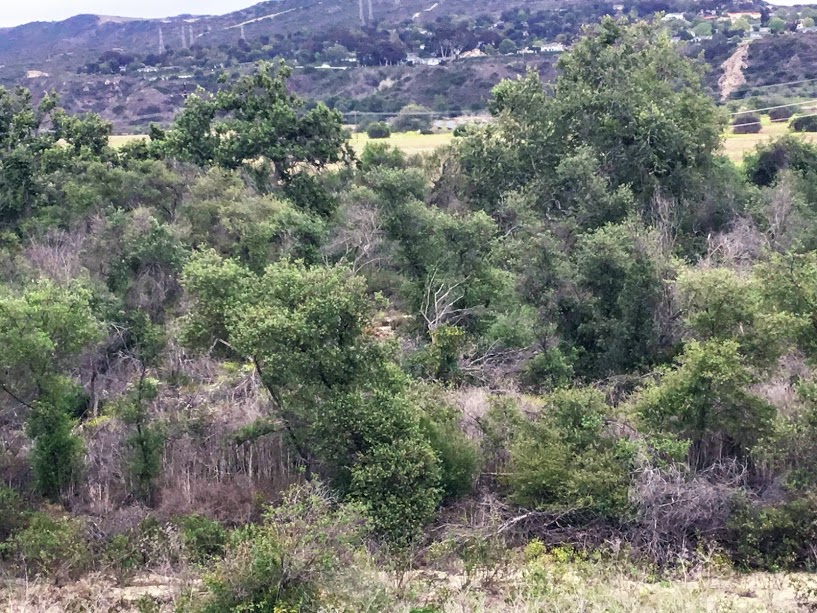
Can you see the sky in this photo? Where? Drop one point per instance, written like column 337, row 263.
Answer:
column 16, row 12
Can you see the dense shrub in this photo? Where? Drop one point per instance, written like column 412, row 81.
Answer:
column 378, row 129
column 203, row 539
column 806, row 123
column 763, row 166
column 746, row 123
column 774, row 537
column 381, row 154
column 291, row 561
column 54, row 546
column 782, row 114
column 412, row 118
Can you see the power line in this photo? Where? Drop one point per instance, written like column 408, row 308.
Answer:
column 757, row 123
column 783, row 84
column 779, row 106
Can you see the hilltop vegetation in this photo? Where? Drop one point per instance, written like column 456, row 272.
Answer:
column 571, row 350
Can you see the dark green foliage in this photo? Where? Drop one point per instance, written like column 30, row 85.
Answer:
column 12, row 517
column 774, row 536
column 767, row 161
column 806, row 123
column 203, row 539
column 378, row 129
column 57, row 454
column 746, row 123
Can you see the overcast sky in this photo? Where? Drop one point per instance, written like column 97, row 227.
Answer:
column 16, row 12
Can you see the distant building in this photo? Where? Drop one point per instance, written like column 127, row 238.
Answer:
column 473, row 53
column 414, row 58
column 552, row 48
column 36, row 74
column 673, row 17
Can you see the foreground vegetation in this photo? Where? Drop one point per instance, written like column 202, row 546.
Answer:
column 561, row 359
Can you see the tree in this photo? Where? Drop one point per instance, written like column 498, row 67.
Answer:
column 703, row 29
column 777, row 25
column 256, row 124
column 412, row 117
column 706, row 399
column 624, row 95
column 507, row 47
column 42, row 329
column 339, row 397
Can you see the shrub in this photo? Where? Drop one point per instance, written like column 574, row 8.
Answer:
column 767, row 161
column 381, row 154
column 202, row 538
column 12, row 516
column 747, row 123
column 565, row 460
column 783, row 113
column 121, row 556
column 378, row 129
column 804, row 124
column 51, row 546
column 290, row 561
column 412, row 118
column 774, row 537
column 458, row 455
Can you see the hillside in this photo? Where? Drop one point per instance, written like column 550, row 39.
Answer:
column 444, row 55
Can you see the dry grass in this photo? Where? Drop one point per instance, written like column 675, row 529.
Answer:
column 552, row 588
column 118, row 140
column 735, row 146
column 409, row 142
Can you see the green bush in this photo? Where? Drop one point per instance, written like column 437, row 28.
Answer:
column 378, row 129
column 203, row 539
column 804, row 124
column 51, row 546
column 381, row 154
column 783, row 113
column 12, row 513
column 747, row 123
column 774, row 537
column 291, row 561
column 565, row 460
column 121, row 556
column 458, row 455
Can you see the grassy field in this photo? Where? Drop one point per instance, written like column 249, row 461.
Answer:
column 410, row 142
column 735, row 145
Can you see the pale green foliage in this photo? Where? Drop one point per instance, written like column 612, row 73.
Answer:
column 297, row 560
column 789, row 283
column 721, row 304
column 706, row 399
column 564, row 460
column 338, row 395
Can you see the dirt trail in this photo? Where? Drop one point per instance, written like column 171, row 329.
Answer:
column 732, row 77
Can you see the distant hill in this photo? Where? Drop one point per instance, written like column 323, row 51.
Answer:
column 358, row 55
